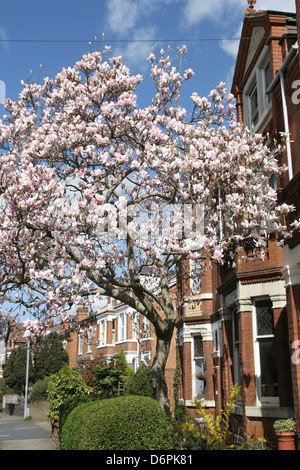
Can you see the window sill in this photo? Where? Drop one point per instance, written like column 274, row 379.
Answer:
column 265, row 411
column 205, row 403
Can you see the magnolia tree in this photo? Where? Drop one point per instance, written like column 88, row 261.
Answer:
column 102, row 198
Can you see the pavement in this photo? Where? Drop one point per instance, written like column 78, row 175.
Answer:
column 16, row 433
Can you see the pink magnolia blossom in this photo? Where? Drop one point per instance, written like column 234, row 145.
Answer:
column 78, row 152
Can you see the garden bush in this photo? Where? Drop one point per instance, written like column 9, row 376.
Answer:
column 102, row 376
column 68, row 405
column 38, row 391
column 123, row 423
column 66, row 383
column 139, row 383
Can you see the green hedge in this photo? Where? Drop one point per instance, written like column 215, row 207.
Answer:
column 122, row 423
column 67, row 406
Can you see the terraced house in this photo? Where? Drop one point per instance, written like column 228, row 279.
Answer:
column 246, row 327
column 244, row 324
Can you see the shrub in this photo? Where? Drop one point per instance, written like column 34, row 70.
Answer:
column 4, row 389
column 66, row 383
column 255, row 443
column 216, row 428
column 120, row 361
column 103, row 377
column 215, row 432
column 284, row 425
column 68, row 405
column 38, row 391
column 122, row 423
column 139, row 383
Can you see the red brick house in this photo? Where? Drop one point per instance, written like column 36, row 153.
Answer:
column 243, row 325
column 246, row 321
column 106, row 331
column 266, row 73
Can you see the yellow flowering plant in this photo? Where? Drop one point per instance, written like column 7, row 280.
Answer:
column 216, row 428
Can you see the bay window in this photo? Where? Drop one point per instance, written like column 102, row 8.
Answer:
column 265, row 354
column 255, row 99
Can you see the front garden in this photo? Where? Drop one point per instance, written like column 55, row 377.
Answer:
column 92, row 412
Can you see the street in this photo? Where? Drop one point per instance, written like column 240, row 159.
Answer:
column 18, row 434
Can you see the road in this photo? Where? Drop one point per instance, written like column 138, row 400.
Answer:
column 19, row 434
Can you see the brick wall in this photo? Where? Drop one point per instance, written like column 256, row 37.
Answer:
column 293, row 308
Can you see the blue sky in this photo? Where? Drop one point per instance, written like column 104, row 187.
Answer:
column 62, row 30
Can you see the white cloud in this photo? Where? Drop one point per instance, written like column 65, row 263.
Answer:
column 196, row 11
column 133, row 20
column 225, row 11
column 122, row 15
column 231, row 45
column 2, row 92
column 4, row 38
column 276, row 5
column 137, row 50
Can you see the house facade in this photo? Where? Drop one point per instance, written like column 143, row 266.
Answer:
column 243, row 324
column 104, row 332
column 244, row 327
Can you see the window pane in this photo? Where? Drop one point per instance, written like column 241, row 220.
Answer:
column 269, row 380
column 198, row 346
column 265, row 320
column 236, row 319
column 196, row 269
column 267, row 75
column 113, row 331
column 253, row 106
column 199, row 384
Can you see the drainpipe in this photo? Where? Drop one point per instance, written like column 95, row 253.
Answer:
column 286, row 125
column 280, row 78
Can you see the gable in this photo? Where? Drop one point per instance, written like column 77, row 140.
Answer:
column 258, row 32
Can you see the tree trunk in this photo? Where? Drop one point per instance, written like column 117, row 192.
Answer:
column 157, row 373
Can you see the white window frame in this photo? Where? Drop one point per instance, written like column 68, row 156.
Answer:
column 80, row 342
column 236, row 347
column 90, row 339
column 253, row 113
column 256, row 339
column 121, row 327
column 197, row 360
column 146, row 328
column 102, row 332
column 113, row 331
column 257, row 78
